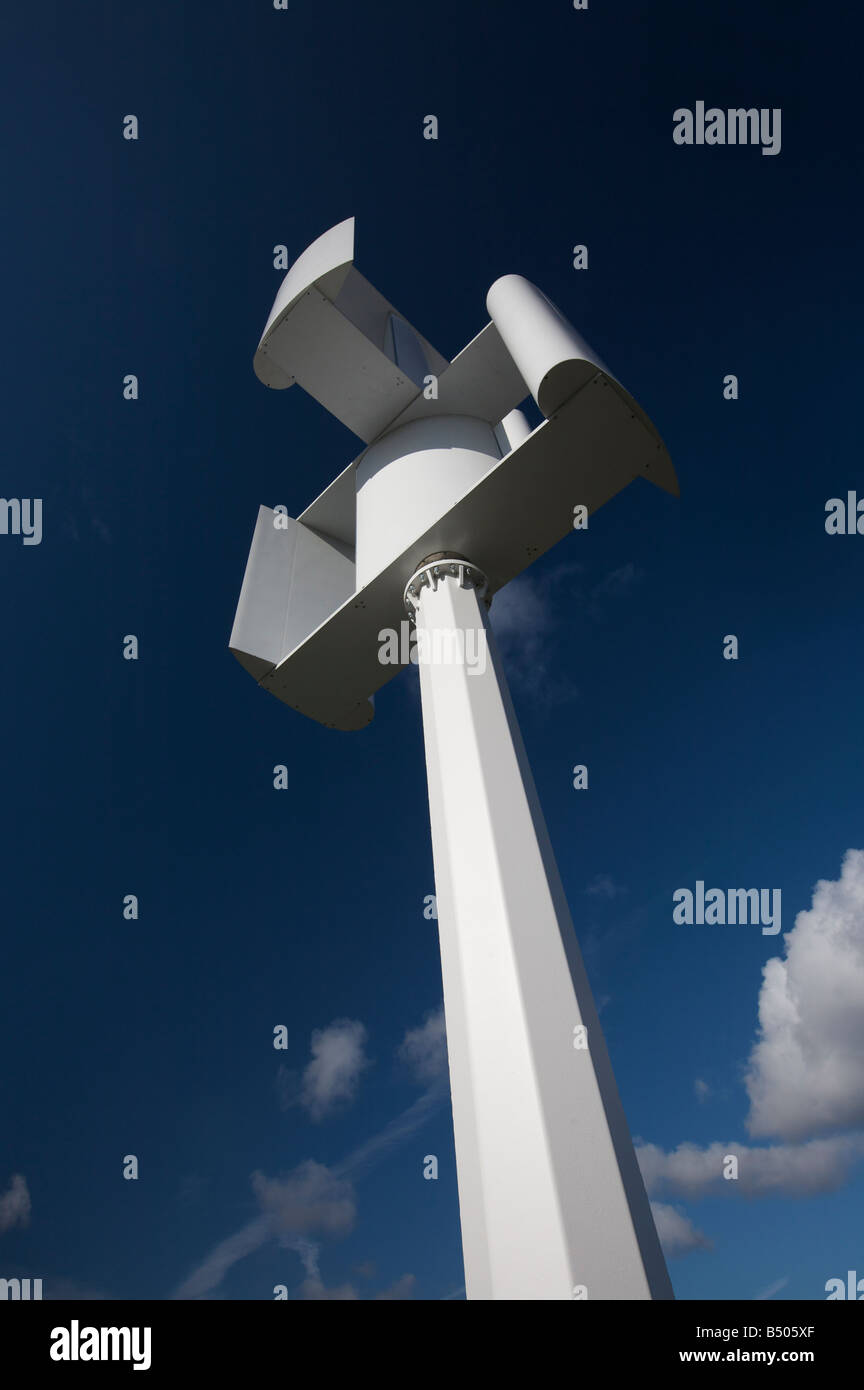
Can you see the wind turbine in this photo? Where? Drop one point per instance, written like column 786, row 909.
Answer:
column 452, row 496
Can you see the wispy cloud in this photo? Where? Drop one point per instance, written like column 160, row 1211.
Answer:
column 613, row 585
column 15, row 1204
column 314, row 1289
column 532, row 611
column 424, row 1049
column 309, row 1200
column 772, row 1289
column 314, row 1200
column 604, row 886
column 401, row 1289
column 396, row 1132
column 524, row 617
column 676, row 1231
column 212, row 1270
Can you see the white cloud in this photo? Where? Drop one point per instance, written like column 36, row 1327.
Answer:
column 15, row 1204
column 424, row 1049
column 313, row 1199
column 795, row 1170
column 338, row 1060
column 310, row 1199
column 702, row 1089
column 678, row 1235
column 806, row 1072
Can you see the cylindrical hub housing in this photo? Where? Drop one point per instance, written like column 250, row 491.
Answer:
column 410, row 478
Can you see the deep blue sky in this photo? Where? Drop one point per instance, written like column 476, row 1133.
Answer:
column 154, row 777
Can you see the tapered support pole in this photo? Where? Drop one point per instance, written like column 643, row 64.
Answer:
column 551, row 1198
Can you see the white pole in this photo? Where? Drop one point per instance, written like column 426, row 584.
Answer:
column 551, row 1198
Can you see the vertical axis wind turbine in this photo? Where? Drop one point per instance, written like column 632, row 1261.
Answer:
column 452, row 496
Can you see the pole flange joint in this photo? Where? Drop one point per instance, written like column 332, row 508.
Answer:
column 434, row 570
